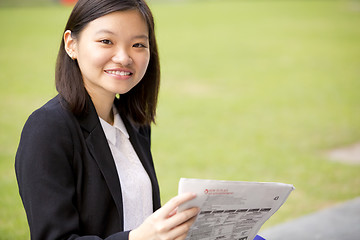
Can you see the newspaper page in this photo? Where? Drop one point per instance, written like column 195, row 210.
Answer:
column 232, row 210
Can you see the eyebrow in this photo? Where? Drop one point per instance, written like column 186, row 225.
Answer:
column 144, row 36
column 105, row 31
column 141, row 36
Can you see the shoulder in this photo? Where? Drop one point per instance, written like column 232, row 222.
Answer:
column 52, row 110
column 47, row 139
column 49, row 122
column 53, row 114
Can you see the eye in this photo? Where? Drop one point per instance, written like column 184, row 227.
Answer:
column 139, row 45
column 106, row 41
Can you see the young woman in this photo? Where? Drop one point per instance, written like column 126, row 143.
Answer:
column 84, row 166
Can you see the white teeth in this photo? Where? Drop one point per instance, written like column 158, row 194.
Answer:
column 120, row 73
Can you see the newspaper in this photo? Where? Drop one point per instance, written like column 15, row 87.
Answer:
column 232, row 209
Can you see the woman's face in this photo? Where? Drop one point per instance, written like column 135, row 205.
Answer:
column 113, row 52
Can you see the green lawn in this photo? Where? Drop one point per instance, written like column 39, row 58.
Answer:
column 27, row 3
column 251, row 91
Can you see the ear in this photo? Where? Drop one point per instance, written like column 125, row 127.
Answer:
column 70, row 45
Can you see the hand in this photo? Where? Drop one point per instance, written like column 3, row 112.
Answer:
column 166, row 223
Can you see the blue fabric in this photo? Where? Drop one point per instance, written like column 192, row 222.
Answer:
column 259, row 238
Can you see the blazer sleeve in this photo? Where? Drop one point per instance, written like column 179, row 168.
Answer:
column 46, row 180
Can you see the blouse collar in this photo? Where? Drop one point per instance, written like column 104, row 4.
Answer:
column 110, row 130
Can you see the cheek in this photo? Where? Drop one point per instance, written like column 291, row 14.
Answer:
column 91, row 65
column 90, row 57
column 97, row 59
column 144, row 63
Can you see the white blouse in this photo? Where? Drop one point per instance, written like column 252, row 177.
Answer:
column 135, row 182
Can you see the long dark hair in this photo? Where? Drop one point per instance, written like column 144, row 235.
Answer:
column 140, row 102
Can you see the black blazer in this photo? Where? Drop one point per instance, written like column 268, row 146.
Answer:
column 67, row 177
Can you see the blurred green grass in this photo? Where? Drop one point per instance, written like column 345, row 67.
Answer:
column 251, row 91
column 27, row 3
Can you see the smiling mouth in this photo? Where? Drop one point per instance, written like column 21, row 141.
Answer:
column 119, row 73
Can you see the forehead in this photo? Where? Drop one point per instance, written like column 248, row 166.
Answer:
column 121, row 22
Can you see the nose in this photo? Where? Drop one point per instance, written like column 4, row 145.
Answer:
column 122, row 57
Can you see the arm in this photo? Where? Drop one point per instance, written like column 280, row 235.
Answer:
column 46, row 179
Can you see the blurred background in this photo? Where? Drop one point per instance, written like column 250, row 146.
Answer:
column 252, row 90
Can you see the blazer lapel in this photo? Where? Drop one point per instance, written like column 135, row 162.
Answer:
column 99, row 149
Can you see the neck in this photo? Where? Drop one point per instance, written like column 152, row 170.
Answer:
column 103, row 105
column 105, row 113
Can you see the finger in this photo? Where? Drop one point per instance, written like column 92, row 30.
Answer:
column 182, row 237
column 182, row 217
column 173, row 212
column 181, row 231
column 173, row 203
